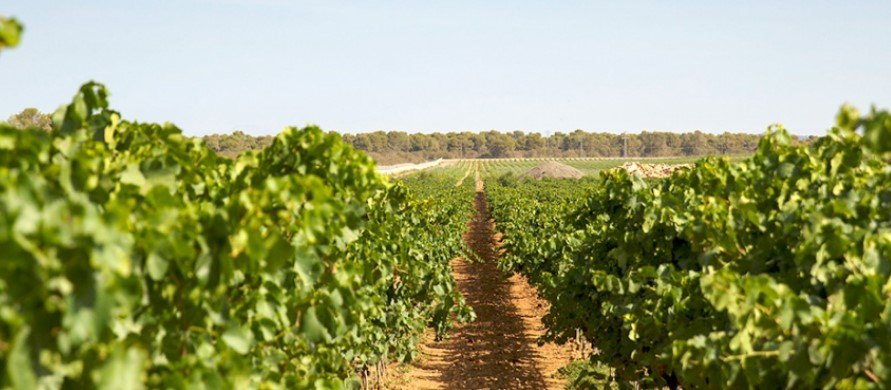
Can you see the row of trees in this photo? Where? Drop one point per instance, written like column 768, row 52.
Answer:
column 231, row 145
column 390, row 147
column 575, row 144
column 393, row 147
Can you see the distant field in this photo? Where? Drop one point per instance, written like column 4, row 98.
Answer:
column 589, row 166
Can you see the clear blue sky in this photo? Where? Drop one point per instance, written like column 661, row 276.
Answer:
column 259, row 65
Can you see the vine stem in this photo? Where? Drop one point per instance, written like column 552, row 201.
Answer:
column 754, row 353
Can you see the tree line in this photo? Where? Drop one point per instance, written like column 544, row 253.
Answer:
column 494, row 144
column 391, row 147
column 231, row 145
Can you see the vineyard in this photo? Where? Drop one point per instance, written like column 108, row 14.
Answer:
column 772, row 271
column 132, row 256
column 589, row 166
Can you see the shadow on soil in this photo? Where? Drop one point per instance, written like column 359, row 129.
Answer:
column 493, row 351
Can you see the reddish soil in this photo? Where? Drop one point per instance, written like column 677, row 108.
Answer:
column 500, row 349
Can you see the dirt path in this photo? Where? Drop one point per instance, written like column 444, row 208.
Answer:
column 499, row 350
column 461, row 180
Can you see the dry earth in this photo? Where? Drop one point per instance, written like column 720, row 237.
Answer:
column 652, row 170
column 553, row 169
column 500, row 349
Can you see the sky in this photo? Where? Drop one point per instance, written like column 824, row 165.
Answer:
column 215, row 66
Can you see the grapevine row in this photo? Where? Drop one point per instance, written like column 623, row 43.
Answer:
column 133, row 256
column 773, row 271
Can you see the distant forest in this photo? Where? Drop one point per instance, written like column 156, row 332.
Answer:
column 231, row 145
column 392, row 147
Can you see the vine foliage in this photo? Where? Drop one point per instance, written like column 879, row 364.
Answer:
column 134, row 256
column 773, row 271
